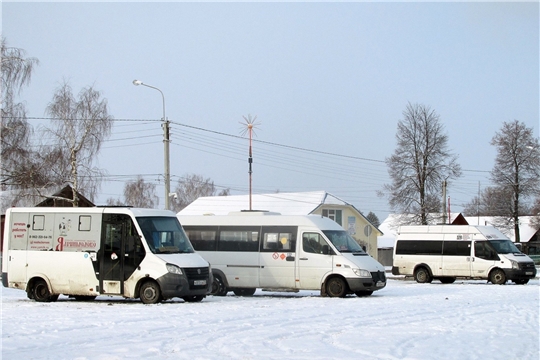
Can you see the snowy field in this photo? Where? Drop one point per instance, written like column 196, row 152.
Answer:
column 406, row 320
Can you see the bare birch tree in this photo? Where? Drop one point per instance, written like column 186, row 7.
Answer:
column 419, row 165
column 79, row 128
column 141, row 194
column 16, row 154
column 191, row 187
column 516, row 169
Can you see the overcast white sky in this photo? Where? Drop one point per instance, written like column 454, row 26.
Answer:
column 330, row 77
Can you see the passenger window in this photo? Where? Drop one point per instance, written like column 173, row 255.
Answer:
column 483, row 250
column 203, row 239
column 279, row 238
column 314, row 243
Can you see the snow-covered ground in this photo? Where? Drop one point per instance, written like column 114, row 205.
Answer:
column 406, row 320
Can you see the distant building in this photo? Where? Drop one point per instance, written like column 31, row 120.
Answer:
column 298, row 203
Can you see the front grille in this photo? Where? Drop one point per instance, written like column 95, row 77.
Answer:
column 378, row 276
column 527, row 266
column 194, row 274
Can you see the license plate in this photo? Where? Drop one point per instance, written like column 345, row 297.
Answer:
column 528, row 273
column 199, row 282
column 379, row 284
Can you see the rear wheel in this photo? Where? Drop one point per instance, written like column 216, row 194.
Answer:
column 84, row 297
column 448, row 280
column 244, row 292
column 150, row 293
column 497, row 277
column 41, row 292
column 336, row 287
column 421, row 275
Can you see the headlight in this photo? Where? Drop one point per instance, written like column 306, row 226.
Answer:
column 173, row 269
column 515, row 264
column 362, row 273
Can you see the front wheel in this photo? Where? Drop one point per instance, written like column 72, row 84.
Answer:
column 218, row 287
column 193, row 298
column 336, row 287
column 497, row 277
column 150, row 293
column 421, row 275
column 244, row 292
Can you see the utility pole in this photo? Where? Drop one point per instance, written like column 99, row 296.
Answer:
column 444, row 201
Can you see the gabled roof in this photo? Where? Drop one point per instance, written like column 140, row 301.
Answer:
column 298, row 203
column 66, row 192
column 526, row 232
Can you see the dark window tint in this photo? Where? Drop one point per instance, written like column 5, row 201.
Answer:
column 457, row 248
column 238, row 238
column 484, row 250
column 202, row 239
column 418, row 247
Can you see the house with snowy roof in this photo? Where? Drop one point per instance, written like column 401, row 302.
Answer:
column 297, row 203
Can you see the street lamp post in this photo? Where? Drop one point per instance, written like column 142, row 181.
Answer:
column 165, row 144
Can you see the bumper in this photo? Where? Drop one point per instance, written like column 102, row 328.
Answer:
column 377, row 282
column 174, row 285
column 520, row 274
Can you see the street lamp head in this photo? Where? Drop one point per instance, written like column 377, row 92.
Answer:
column 137, row 82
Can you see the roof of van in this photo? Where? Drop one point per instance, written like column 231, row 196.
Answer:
column 251, row 219
column 489, row 232
column 299, row 203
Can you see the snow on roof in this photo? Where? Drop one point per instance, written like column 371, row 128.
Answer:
column 299, row 203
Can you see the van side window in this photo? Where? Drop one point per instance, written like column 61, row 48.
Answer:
column 238, row 239
column 314, row 243
column 418, row 247
column 202, row 239
column 279, row 238
column 484, row 250
column 457, row 248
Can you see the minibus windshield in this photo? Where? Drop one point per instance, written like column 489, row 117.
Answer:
column 164, row 235
column 343, row 241
column 504, row 247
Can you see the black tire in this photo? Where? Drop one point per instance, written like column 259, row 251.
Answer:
column 218, row 287
column 497, row 277
column 193, row 298
column 448, row 280
column 363, row 293
column 41, row 292
column 84, row 297
column 244, row 292
column 150, row 293
column 422, row 276
column 336, row 287
column 521, row 281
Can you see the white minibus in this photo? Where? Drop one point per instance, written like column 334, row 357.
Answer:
column 250, row 250
column 86, row 252
column 447, row 252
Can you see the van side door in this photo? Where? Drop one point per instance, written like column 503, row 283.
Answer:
column 457, row 258
column 315, row 260
column 18, row 244
column 111, row 255
column 278, row 257
column 485, row 257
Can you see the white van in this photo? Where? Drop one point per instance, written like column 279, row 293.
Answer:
column 86, row 252
column 447, row 252
column 250, row 250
